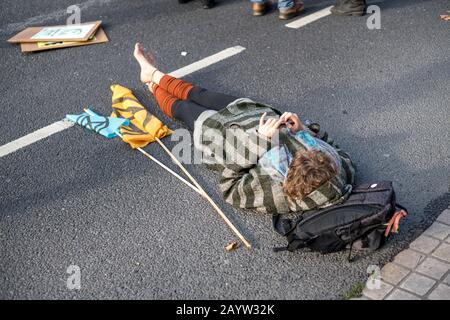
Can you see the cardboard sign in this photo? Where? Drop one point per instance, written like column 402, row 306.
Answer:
column 75, row 32
column 99, row 37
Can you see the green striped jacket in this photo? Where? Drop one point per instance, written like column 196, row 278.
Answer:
column 230, row 144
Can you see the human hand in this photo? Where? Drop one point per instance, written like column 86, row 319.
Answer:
column 269, row 127
column 292, row 121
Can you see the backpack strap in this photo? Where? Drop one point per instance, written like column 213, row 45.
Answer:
column 401, row 207
column 349, row 258
column 393, row 224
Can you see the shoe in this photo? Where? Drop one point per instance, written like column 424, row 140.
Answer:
column 349, row 8
column 208, row 4
column 260, row 9
column 292, row 12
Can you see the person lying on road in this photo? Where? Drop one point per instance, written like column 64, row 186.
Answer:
column 275, row 163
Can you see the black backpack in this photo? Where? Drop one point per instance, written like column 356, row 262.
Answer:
column 365, row 220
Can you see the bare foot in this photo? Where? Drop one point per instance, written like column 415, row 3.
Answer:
column 146, row 62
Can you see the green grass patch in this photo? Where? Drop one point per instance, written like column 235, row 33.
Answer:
column 354, row 292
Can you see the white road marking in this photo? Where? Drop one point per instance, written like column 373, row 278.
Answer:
column 201, row 64
column 62, row 125
column 309, row 18
column 34, row 136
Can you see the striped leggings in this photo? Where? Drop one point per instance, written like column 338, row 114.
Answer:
column 185, row 102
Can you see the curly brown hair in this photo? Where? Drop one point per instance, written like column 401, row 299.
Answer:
column 308, row 171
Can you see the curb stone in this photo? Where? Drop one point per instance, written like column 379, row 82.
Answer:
column 420, row 272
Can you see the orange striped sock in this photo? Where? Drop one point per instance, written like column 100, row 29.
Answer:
column 176, row 87
column 164, row 99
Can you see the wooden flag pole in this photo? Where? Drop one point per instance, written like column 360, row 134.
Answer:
column 205, row 195
column 156, row 161
column 145, row 153
column 197, row 188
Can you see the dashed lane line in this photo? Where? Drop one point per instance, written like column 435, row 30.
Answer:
column 309, row 18
column 62, row 124
column 34, row 137
column 201, row 64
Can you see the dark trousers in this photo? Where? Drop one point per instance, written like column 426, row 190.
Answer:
column 198, row 101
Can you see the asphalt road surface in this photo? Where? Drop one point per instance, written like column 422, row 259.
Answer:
column 76, row 198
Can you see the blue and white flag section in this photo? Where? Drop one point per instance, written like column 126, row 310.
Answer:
column 106, row 126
